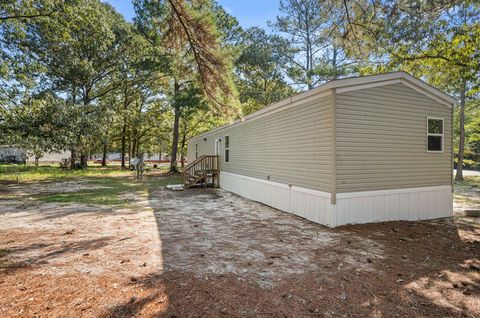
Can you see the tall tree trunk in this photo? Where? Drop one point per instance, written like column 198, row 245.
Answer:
column 309, row 63
column 104, row 158
column 83, row 153
column 134, row 147
column 334, row 62
column 129, row 149
column 124, row 140
column 124, row 128
column 160, row 154
column 309, row 55
column 83, row 160
column 182, row 147
column 73, row 151
column 173, row 160
column 461, row 143
column 73, row 158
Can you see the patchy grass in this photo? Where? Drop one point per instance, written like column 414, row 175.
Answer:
column 28, row 173
column 466, row 200
column 467, row 192
column 97, row 196
column 40, row 173
column 469, row 181
column 109, row 191
column 473, row 181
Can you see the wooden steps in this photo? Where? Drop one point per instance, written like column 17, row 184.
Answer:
column 201, row 171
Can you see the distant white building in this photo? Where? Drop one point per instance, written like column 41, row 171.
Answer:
column 117, row 156
column 19, row 155
column 51, row 156
column 10, row 154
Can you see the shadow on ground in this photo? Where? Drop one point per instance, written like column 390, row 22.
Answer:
column 51, row 251
column 226, row 256
column 209, row 253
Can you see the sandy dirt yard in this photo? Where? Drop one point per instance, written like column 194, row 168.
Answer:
column 116, row 247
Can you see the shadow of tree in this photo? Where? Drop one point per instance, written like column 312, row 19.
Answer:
column 155, row 295
column 425, row 268
column 43, row 257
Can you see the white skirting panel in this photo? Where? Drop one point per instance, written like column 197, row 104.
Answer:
column 355, row 207
column 393, row 205
column 309, row 204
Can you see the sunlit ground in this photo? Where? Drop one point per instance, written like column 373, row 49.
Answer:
column 108, row 245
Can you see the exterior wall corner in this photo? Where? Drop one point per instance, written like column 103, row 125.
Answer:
column 333, row 189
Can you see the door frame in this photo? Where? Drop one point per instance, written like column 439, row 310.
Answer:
column 217, row 146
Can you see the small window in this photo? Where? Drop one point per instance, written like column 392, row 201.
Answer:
column 435, row 134
column 227, row 148
column 196, row 151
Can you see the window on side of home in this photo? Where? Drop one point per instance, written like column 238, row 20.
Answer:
column 435, row 134
column 196, row 151
column 227, row 148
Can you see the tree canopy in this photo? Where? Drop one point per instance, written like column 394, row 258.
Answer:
column 74, row 75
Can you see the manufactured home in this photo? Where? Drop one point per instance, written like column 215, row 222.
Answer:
column 51, row 157
column 12, row 154
column 16, row 154
column 356, row 150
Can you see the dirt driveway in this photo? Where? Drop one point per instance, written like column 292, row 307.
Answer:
column 140, row 250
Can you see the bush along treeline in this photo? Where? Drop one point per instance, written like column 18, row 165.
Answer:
column 74, row 75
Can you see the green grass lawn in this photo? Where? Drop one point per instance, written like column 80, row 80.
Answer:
column 467, row 191
column 110, row 190
column 469, row 183
column 27, row 173
column 105, row 191
column 108, row 186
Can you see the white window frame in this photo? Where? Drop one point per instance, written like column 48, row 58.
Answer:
column 437, row 135
column 227, row 148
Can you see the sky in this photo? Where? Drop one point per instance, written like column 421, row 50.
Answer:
column 248, row 12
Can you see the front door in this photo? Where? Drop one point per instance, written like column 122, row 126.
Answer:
column 217, row 147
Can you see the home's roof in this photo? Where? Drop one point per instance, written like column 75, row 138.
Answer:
column 350, row 84
column 386, row 79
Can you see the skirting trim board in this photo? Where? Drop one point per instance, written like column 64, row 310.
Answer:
column 355, row 207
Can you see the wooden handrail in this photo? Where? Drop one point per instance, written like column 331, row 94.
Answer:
column 201, row 165
column 193, row 162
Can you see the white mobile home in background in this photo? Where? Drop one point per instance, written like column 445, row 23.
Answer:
column 22, row 156
column 356, row 150
column 52, row 157
column 13, row 152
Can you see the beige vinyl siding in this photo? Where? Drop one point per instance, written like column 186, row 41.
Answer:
column 292, row 146
column 204, row 147
column 381, row 140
